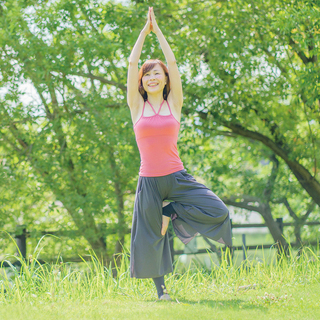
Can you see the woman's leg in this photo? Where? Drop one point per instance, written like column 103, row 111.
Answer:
column 167, row 211
column 159, row 282
column 198, row 210
column 150, row 255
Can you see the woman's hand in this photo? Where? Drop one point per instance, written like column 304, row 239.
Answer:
column 148, row 27
column 154, row 25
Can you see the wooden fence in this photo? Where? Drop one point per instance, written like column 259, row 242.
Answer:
column 22, row 234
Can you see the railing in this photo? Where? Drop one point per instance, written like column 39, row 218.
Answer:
column 243, row 246
column 22, row 234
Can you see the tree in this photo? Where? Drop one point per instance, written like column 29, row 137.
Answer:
column 75, row 133
column 258, row 70
column 249, row 71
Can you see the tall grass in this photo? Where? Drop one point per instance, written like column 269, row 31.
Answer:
column 91, row 280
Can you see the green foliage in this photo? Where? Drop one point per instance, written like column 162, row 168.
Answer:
column 73, row 134
column 250, row 74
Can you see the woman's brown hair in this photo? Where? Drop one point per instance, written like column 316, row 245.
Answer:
column 146, row 67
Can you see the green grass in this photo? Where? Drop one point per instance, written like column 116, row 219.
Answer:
column 286, row 288
column 301, row 303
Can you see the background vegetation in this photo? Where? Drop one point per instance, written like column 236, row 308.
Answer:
column 250, row 125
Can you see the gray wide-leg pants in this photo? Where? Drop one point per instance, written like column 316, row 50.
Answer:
column 198, row 210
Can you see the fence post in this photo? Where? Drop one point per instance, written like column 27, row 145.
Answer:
column 230, row 255
column 280, row 224
column 231, row 247
column 20, row 238
column 244, row 249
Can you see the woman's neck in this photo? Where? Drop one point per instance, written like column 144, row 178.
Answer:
column 155, row 100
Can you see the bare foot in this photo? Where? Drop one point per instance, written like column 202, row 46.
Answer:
column 165, row 220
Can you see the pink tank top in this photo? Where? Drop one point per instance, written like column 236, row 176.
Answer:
column 157, row 138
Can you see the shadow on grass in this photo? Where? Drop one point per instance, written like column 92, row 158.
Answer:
column 230, row 304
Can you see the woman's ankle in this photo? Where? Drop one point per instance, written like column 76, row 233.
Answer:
column 168, row 210
column 165, row 203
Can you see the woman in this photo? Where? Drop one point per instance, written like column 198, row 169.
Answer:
column 155, row 100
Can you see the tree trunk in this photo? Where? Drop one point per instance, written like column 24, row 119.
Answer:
column 265, row 210
column 273, row 226
column 99, row 247
column 89, row 230
column 297, row 232
column 305, row 178
column 307, row 181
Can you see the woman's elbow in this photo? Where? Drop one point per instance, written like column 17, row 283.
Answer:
column 132, row 62
column 172, row 62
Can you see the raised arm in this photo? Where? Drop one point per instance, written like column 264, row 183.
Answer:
column 133, row 96
column 176, row 94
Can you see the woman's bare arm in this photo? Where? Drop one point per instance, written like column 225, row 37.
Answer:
column 133, row 96
column 176, row 94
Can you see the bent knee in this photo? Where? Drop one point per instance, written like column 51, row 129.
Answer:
column 225, row 210
column 218, row 207
column 220, row 210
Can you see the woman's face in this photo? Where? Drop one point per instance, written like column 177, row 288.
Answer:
column 154, row 80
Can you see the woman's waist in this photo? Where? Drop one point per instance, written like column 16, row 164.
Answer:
column 157, row 170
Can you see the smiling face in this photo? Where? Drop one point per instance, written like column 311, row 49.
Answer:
column 154, row 80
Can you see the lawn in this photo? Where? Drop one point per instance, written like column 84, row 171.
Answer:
column 294, row 302
column 286, row 288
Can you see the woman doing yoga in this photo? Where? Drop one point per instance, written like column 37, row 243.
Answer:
column 155, row 99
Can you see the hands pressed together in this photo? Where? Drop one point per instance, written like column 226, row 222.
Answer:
column 151, row 24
